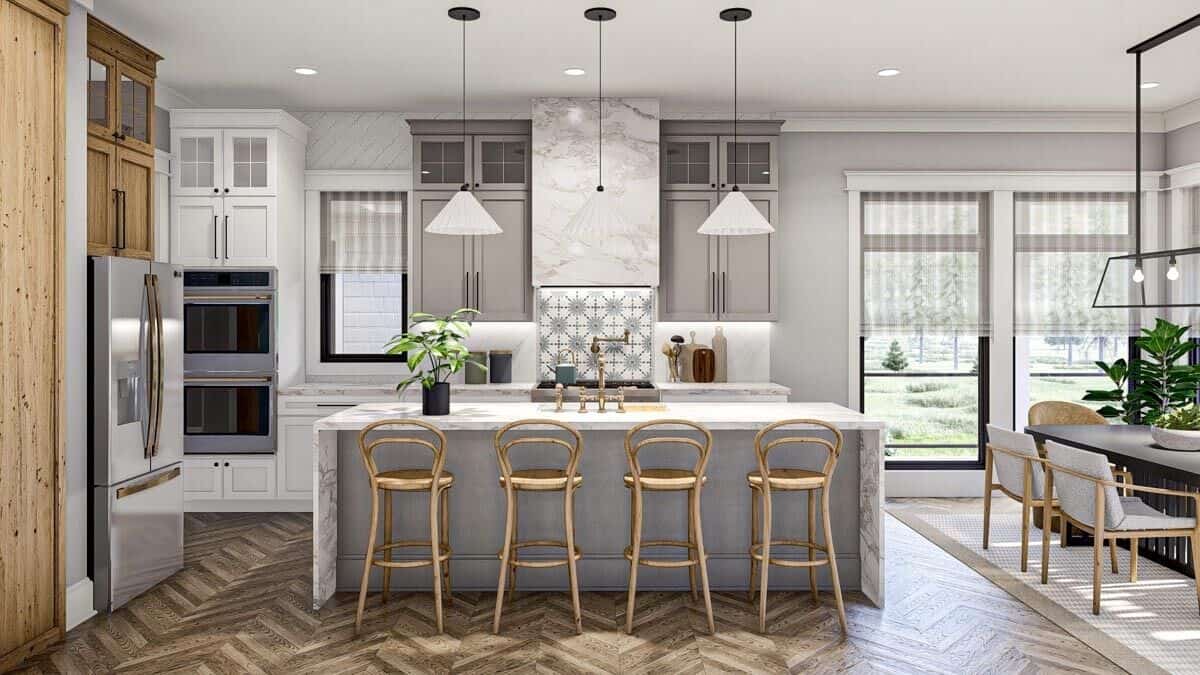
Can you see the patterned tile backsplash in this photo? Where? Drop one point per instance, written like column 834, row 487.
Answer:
column 569, row 317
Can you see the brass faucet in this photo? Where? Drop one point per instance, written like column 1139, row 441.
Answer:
column 601, row 396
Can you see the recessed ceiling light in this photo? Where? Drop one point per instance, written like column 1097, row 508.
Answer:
column 1149, row 85
column 574, row 72
column 304, row 70
column 888, row 72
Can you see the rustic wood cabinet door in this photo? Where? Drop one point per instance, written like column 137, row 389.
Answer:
column 32, row 303
column 135, row 109
column 135, row 204
column 102, row 196
column 101, row 93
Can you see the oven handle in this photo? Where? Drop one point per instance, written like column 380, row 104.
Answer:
column 227, row 378
column 230, row 298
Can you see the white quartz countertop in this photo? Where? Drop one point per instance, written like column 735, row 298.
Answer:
column 732, row 388
column 520, row 390
column 715, row 415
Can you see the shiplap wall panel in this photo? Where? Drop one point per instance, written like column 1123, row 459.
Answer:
column 357, row 140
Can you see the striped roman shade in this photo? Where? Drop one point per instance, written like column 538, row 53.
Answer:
column 364, row 232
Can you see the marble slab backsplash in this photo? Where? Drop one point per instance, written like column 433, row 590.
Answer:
column 569, row 317
column 564, row 174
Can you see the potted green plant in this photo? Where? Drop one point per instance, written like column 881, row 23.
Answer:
column 1178, row 429
column 1150, row 386
column 434, row 351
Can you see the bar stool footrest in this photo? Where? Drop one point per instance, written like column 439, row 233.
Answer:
column 662, row 563
column 538, row 543
column 444, row 553
column 756, row 553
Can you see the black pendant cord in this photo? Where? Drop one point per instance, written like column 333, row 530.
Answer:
column 1137, row 161
column 600, row 109
column 735, row 103
column 465, row 185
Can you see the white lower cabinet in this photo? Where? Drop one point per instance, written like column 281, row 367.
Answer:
column 202, row 479
column 249, row 478
column 234, row 483
column 294, row 455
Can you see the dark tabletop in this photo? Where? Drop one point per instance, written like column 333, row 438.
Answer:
column 1122, row 443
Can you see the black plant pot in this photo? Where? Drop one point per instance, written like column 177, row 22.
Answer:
column 436, row 401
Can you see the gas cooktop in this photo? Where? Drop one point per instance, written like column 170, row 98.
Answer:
column 608, row 384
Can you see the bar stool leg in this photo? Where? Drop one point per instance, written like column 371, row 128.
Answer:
column 505, row 558
column 435, row 540
column 445, row 532
column 366, row 576
column 754, row 539
column 512, row 578
column 387, row 540
column 812, row 539
column 691, row 551
column 702, row 558
column 832, row 556
column 635, row 516
column 572, row 573
column 765, row 563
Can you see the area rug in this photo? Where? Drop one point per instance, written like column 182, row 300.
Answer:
column 1149, row 626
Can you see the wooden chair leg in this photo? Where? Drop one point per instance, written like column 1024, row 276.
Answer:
column 505, row 557
column 829, row 551
column 635, row 517
column 691, row 552
column 512, row 579
column 572, row 573
column 445, row 532
column 764, row 565
column 754, row 539
column 987, row 496
column 812, row 539
column 1026, row 514
column 435, row 546
column 1112, row 555
column 1047, row 521
column 1097, row 546
column 1133, row 560
column 1194, row 542
column 387, row 540
column 366, row 575
column 703, row 558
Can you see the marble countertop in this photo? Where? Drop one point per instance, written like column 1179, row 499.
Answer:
column 715, row 415
column 745, row 388
column 520, row 390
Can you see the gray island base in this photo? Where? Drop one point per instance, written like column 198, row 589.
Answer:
column 342, row 502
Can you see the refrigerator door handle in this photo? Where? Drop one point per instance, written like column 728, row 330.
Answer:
column 148, row 358
column 161, row 478
column 159, row 348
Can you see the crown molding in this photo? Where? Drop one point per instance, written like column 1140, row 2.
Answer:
column 166, row 97
column 239, row 118
column 1182, row 116
column 990, row 181
column 1184, row 176
column 966, row 122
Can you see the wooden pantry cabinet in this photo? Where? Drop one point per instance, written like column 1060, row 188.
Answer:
column 32, row 300
column 120, row 152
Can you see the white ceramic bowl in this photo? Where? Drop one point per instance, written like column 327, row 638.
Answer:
column 1176, row 439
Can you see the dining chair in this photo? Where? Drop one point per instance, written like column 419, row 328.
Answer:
column 1063, row 412
column 1013, row 459
column 1088, row 499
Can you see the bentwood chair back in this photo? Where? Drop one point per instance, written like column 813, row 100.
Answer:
column 515, row 481
column 764, row 482
column 1063, row 412
column 641, row 479
column 435, row 480
column 1089, row 500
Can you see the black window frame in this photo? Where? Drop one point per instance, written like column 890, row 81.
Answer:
column 326, row 327
column 984, row 413
column 1131, row 352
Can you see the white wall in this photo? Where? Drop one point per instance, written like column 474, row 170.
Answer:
column 1183, row 146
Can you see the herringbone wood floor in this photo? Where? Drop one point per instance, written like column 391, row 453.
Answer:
column 241, row 606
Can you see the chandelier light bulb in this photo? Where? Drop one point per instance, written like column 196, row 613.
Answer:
column 1173, row 270
column 1138, row 275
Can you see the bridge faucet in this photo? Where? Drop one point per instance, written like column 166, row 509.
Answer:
column 601, row 397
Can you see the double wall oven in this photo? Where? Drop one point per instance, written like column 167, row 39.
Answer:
column 229, row 357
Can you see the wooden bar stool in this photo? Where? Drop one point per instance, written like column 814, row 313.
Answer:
column 435, row 481
column 765, row 481
column 639, row 479
column 538, row 480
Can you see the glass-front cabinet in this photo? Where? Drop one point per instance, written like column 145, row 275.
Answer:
column 198, row 153
column 751, row 163
column 229, row 162
column 135, row 109
column 689, row 163
column 485, row 162
column 101, row 97
column 501, row 162
column 442, row 162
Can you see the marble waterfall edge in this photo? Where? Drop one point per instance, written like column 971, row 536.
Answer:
column 564, row 147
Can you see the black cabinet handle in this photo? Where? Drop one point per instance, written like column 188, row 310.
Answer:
column 712, row 300
column 124, row 219
column 215, row 256
column 227, row 236
column 724, row 294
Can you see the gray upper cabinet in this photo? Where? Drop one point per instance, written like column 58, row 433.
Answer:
column 441, row 162
column 688, row 260
column 689, row 163
column 751, row 163
column 442, row 264
column 500, row 283
column 501, row 162
column 746, row 268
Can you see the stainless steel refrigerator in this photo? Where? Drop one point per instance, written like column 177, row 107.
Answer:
column 136, row 426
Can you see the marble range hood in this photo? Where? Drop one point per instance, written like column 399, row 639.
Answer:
column 564, row 146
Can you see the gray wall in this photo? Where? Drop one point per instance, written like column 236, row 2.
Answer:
column 162, row 129
column 809, row 351
column 1183, row 146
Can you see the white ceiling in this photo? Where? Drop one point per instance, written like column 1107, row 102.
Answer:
column 815, row 55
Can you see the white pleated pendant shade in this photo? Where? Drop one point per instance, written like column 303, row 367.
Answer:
column 599, row 219
column 735, row 216
column 463, row 215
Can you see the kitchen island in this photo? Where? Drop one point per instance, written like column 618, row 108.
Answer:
column 342, row 497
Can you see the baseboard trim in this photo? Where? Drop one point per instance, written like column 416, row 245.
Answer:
column 79, row 602
column 248, row 506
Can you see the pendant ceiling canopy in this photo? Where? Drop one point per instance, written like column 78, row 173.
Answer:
column 735, row 215
column 1142, row 265
column 463, row 215
column 601, row 216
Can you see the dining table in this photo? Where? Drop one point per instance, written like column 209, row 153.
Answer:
column 1131, row 447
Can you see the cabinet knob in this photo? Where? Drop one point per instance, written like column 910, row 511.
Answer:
column 216, row 464
column 477, row 185
column 217, row 190
column 722, row 185
column 226, row 463
column 227, row 189
column 712, row 185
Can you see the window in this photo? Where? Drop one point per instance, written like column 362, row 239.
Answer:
column 1061, row 242
column 364, row 278
column 925, row 324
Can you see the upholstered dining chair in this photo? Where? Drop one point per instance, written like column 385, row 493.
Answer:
column 1013, row 466
column 1088, row 499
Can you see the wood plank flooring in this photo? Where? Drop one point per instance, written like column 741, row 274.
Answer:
column 241, row 606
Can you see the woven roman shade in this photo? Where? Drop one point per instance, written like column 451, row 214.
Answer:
column 363, row 232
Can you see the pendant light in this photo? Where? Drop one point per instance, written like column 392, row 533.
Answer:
column 735, row 215
column 600, row 218
column 463, row 215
